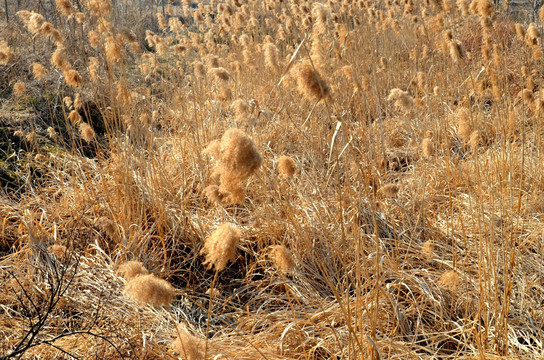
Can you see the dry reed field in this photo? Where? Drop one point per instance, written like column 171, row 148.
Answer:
column 248, row 179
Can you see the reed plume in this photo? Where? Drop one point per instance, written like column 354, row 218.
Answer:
column 220, row 247
column 38, row 70
column 131, row 269
column 286, row 167
column 149, row 289
column 237, row 159
column 283, row 258
column 188, row 346
column 309, row 82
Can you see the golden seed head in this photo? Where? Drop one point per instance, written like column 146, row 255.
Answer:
column 19, row 88
column 220, row 247
column 149, row 289
column 283, row 258
column 131, row 269
column 286, row 166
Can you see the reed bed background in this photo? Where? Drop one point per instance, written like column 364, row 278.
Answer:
column 271, row 180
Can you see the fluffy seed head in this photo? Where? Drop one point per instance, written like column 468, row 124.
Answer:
column 35, row 23
column 474, row 140
column 239, row 156
column 86, row 132
column 220, row 246
column 5, row 53
column 286, row 166
column 78, row 103
column 215, row 194
column 244, row 40
column 19, row 88
column 449, row 280
column 403, row 101
column 131, row 269
column 59, row 60
column 520, row 32
column 309, row 82
column 74, row 117
column 484, row 7
column 38, row 70
column 80, row 17
column 24, row 15
column 94, row 38
column 271, row 56
column 237, row 159
column 149, row 289
column 72, row 78
column 57, row 250
column 68, row 102
column 389, row 191
column 427, row 147
column 212, row 61
column 114, row 51
column 200, row 70
column 220, row 74
column 456, row 50
column 283, row 258
column 188, row 346
column 64, row 7
column 527, row 96
column 51, row 133
column 240, row 108
column 532, row 35
column 100, row 7
column 463, row 6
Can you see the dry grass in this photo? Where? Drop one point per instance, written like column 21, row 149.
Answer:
column 373, row 187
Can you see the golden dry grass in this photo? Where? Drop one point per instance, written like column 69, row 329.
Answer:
column 376, row 167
